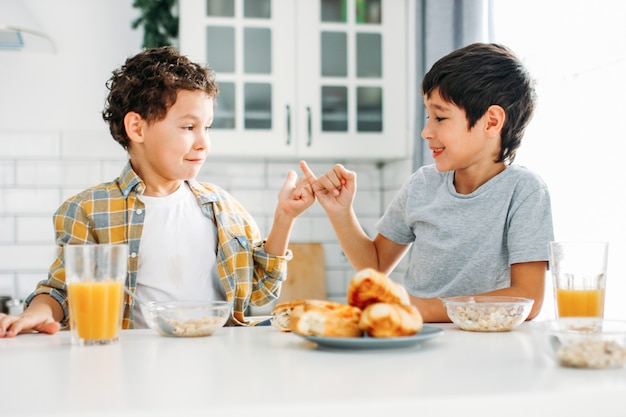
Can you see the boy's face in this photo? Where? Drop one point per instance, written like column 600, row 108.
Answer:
column 454, row 147
column 174, row 149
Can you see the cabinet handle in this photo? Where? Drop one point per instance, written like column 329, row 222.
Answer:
column 309, row 126
column 288, row 124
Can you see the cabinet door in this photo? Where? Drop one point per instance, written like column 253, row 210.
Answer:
column 352, row 79
column 304, row 78
column 249, row 44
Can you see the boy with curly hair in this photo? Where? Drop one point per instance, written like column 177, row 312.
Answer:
column 187, row 240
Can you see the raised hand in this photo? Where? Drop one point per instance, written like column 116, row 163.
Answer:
column 335, row 190
column 295, row 196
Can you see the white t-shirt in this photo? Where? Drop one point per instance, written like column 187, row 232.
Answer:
column 465, row 243
column 177, row 254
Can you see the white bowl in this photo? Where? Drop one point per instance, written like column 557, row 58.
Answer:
column 487, row 313
column 585, row 342
column 186, row 318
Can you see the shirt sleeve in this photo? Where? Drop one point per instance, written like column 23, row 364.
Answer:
column 530, row 226
column 270, row 271
column 393, row 225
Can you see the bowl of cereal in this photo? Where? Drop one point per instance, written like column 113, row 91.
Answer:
column 487, row 313
column 585, row 342
column 186, row 318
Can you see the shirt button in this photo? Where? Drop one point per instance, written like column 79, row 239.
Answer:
column 139, row 211
column 133, row 255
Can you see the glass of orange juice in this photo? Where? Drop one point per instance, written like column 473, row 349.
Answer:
column 579, row 277
column 95, row 276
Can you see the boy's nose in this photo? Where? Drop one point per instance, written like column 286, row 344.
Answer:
column 203, row 141
column 426, row 134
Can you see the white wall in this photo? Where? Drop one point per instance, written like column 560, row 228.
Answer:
column 66, row 90
column 577, row 52
column 54, row 143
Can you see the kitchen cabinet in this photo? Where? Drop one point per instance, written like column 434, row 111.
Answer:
column 304, row 78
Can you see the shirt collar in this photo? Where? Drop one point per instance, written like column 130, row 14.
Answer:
column 129, row 179
column 204, row 195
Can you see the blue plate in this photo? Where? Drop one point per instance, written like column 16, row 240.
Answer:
column 427, row 333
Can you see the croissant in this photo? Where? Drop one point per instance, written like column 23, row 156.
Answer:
column 328, row 319
column 281, row 314
column 390, row 320
column 369, row 286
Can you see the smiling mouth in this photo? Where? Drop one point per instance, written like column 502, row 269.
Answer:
column 437, row 151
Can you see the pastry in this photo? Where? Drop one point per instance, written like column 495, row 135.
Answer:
column 281, row 314
column 328, row 319
column 390, row 320
column 369, row 286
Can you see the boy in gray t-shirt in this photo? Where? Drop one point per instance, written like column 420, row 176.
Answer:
column 474, row 222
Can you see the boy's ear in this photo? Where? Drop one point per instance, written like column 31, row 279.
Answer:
column 494, row 119
column 133, row 123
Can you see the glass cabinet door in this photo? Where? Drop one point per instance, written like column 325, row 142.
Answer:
column 366, row 49
column 309, row 78
column 249, row 46
column 352, row 80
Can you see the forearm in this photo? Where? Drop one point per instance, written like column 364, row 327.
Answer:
column 527, row 280
column 358, row 248
column 44, row 305
column 277, row 241
column 520, row 291
column 431, row 309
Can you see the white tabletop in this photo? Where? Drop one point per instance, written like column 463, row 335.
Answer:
column 262, row 372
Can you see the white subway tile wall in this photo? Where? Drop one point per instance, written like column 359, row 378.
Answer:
column 38, row 170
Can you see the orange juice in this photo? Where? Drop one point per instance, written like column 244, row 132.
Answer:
column 96, row 308
column 581, row 303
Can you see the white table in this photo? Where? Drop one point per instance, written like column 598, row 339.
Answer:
column 262, row 372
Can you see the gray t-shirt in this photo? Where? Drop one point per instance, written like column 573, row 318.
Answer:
column 465, row 243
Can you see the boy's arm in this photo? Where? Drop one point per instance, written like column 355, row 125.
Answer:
column 527, row 280
column 335, row 190
column 42, row 315
column 362, row 252
column 293, row 199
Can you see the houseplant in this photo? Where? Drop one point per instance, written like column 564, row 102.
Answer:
column 159, row 19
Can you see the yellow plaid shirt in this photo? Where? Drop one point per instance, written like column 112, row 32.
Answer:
column 112, row 213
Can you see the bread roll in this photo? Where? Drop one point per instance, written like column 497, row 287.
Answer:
column 281, row 314
column 390, row 320
column 369, row 286
column 327, row 319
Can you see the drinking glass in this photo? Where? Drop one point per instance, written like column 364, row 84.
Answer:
column 95, row 276
column 579, row 277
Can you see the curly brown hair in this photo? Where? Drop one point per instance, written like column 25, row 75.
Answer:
column 148, row 84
